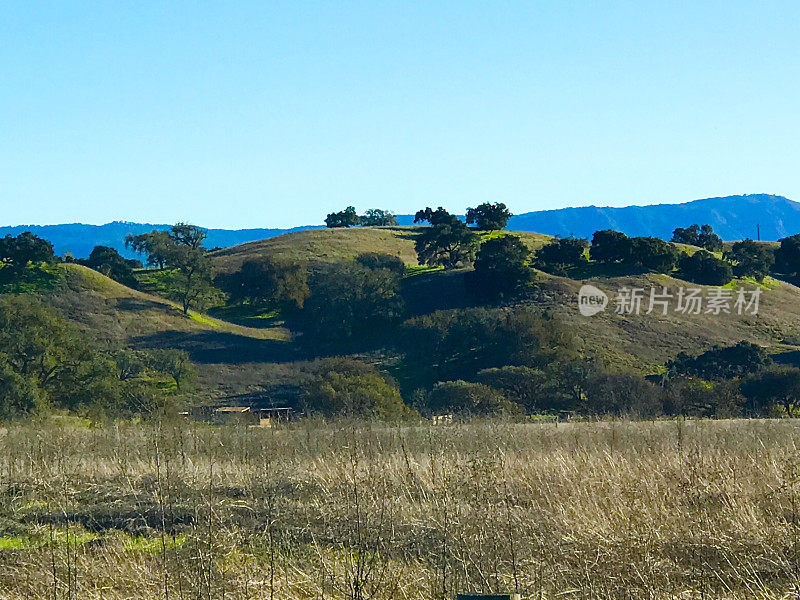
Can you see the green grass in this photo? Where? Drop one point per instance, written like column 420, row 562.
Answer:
column 153, row 544
column 34, row 279
column 15, row 543
column 421, row 270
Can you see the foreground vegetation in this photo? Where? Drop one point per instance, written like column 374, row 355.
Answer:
column 664, row 509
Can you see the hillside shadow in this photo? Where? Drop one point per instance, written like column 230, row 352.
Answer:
column 138, row 304
column 592, row 270
column 212, row 347
column 437, row 290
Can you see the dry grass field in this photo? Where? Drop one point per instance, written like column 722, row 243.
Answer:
column 666, row 509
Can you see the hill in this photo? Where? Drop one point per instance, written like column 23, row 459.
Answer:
column 335, row 245
column 232, row 359
column 631, row 343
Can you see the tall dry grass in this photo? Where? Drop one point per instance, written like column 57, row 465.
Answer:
column 586, row 510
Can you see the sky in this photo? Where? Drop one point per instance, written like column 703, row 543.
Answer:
column 272, row 114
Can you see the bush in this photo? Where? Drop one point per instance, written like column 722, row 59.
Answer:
column 561, row 255
column 704, row 268
column 379, row 260
column 721, row 362
column 342, row 387
column 469, row 399
column 620, row 395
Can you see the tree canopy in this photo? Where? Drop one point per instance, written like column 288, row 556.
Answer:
column 704, row 268
column 16, row 252
column 751, row 259
column 501, row 268
column 267, row 283
column 448, row 243
column 344, row 218
column 489, row 217
column 695, row 235
column 561, row 255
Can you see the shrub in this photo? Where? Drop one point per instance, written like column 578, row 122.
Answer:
column 342, row 387
column 464, row 398
column 561, row 255
column 622, row 395
column 721, row 362
column 379, row 260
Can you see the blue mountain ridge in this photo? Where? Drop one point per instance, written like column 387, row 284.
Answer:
column 732, row 217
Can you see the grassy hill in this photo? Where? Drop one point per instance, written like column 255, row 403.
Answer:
column 232, row 359
column 340, row 244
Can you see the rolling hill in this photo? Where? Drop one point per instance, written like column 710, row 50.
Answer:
column 232, row 360
column 336, row 245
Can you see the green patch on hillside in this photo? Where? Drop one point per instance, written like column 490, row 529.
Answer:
column 34, row 279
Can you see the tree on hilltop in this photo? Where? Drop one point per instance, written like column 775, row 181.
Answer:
column 489, row 217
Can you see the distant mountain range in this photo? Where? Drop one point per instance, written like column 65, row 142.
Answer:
column 80, row 239
column 732, row 217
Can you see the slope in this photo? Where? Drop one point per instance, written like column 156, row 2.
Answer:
column 232, row 359
column 340, row 244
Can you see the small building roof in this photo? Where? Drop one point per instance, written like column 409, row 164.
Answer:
column 232, row 409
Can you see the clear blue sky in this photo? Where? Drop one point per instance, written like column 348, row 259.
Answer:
column 259, row 114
